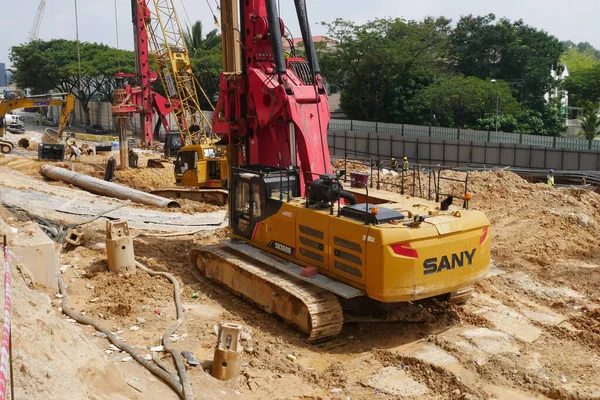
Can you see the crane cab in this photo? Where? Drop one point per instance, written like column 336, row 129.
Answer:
column 201, row 165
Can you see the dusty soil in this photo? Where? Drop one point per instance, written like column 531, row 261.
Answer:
column 531, row 331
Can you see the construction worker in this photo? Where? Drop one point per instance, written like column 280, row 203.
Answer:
column 550, row 178
column 405, row 164
column 394, row 164
column 133, row 159
column 38, row 118
column 75, row 151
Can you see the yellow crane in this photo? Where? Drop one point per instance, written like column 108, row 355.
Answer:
column 200, row 163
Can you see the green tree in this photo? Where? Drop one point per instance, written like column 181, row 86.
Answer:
column 578, row 61
column 461, row 101
column 583, row 86
column 590, row 123
column 582, row 47
column 52, row 65
column 511, row 51
column 196, row 41
column 380, row 66
column 207, row 66
column 206, row 58
column 519, row 54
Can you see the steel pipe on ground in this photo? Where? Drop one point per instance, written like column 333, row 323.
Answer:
column 98, row 186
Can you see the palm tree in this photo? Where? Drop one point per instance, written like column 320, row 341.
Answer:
column 196, row 42
column 590, row 123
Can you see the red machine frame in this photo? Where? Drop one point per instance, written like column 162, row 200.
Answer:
column 275, row 108
column 141, row 99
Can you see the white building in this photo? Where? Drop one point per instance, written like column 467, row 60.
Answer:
column 556, row 92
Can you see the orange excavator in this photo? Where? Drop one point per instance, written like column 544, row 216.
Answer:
column 66, row 103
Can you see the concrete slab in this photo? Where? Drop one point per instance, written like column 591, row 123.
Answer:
column 80, row 205
column 493, row 342
column 396, row 382
column 549, row 319
column 504, row 393
column 506, row 319
column 435, row 355
column 31, row 248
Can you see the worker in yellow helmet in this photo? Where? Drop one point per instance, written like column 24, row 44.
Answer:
column 394, row 164
column 550, row 178
column 405, row 164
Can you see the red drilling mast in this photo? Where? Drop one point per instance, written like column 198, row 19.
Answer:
column 141, row 99
column 273, row 110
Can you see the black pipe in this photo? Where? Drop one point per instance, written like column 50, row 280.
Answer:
column 309, row 45
column 346, row 195
column 275, row 33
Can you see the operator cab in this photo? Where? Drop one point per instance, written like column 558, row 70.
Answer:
column 257, row 192
column 201, row 165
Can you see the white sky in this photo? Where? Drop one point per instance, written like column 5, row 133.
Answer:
column 576, row 20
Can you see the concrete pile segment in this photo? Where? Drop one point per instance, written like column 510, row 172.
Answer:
column 103, row 188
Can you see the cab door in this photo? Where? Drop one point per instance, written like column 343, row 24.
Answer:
column 186, row 168
column 247, row 206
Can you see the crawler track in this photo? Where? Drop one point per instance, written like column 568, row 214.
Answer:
column 311, row 309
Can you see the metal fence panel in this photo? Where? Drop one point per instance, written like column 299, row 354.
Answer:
column 553, row 159
column 444, row 133
column 538, row 158
column 503, row 137
column 589, row 161
column 478, row 153
column 542, row 141
column 522, row 157
column 570, row 160
column 450, row 153
column 571, row 143
column 340, row 125
column 384, row 127
column 473, row 135
column 507, row 155
column 464, row 154
column 416, row 130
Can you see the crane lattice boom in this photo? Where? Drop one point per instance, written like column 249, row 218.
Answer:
column 35, row 29
column 174, row 69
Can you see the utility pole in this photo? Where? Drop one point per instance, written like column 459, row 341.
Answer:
column 497, row 94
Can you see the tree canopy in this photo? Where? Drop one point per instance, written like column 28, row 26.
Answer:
column 381, row 65
column 460, row 101
column 431, row 72
column 206, row 58
column 52, row 65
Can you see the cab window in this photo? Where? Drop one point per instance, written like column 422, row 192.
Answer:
column 257, row 205
column 242, row 201
column 185, row 160
column 210, row 153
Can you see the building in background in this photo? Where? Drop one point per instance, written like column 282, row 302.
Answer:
column 3, row 80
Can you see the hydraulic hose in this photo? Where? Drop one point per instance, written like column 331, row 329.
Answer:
column 168, row 378
column 275, row 33
column 185, row 381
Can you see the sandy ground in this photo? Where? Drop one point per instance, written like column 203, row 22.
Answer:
column 531, row 331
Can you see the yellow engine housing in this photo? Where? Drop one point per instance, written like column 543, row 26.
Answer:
column 400, row 260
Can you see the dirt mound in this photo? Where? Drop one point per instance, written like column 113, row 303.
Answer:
column 146, row 179
column 350, row 166
column 52, row 358
column 534, row 222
